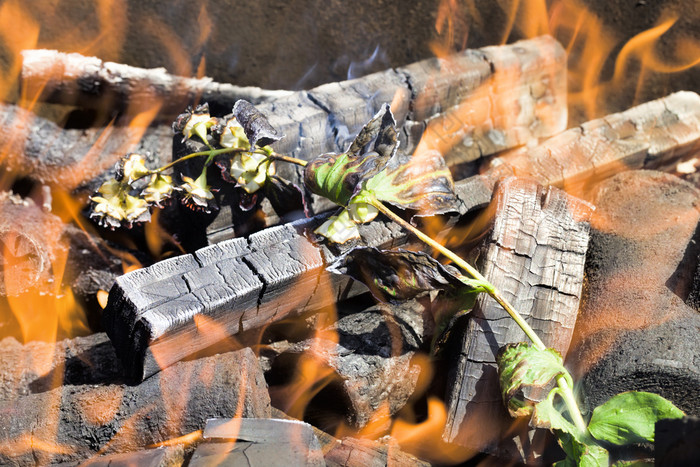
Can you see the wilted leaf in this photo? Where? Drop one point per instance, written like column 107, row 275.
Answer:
column 257, row 128
column 581, row 454
column 402, row 275
column 420, row 182
column 522, row 366
column 545, row 415
column 283, row 195
column 338, row 176
column 630, row 417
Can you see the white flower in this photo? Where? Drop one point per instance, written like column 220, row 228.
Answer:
column 362, row 212
column 339, row 228
column 134, row 167
column 198, row 194
column 250, row 170
column 234, row 136
column 158, row 189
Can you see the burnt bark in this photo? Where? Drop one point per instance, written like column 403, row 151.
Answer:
column 535, row 256
column 77, row 421
column 88, row 82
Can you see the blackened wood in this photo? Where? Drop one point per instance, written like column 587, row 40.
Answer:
column 254, row 441
column 82, row 420
column 70, row 158
column 535, row 256
column 38, row 367
column 676, row 442
column 474, row 103
column 89, row 82
column 634, row 332
column 371, row 355
column 352, row 452
column 170, row 456
column 652, row 135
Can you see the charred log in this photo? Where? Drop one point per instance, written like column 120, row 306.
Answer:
column 88, row 82
column 535, row 255
column 82, row 420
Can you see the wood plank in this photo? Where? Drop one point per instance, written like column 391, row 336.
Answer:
column 535, row 255
column 76, row 422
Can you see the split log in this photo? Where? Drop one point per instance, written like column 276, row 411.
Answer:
column 469, row 105
column 252, row 441
column 535, row 255
column 153, row 314
column 88, row 82
column 38, row 367
column 74, row 422
column 372, row 358
column 70, row 158
column 634, row 332
column 652, row 135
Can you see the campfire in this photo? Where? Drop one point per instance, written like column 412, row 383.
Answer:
column 482, row 248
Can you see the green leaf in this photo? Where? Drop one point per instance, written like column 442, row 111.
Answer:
column 420, row 182
column 630, row 417
column 581, row 454
column 521, row 368
column 545, row 415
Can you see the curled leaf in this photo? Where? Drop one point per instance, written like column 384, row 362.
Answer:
column 630, row 417
column 256, row 126
column 580, row 454
column 522, row 368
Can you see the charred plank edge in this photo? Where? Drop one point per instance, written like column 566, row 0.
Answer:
column 535, row 255
column 89, row 82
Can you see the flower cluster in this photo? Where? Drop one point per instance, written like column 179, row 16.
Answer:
column 342, row 226
column 128, row 197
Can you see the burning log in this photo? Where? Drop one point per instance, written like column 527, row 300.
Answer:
column 650, row 135
column 470, row 105
column 372, row 357
column 74, row 422
column 235, row 285
column 254, row 441
column 352, row 452
column 88, row 82
column 634, row 332
column 535, row 255
column 170, row 456
column 39, row 149
column 38, row 367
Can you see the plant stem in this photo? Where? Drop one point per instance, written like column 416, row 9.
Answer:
column 211, row 153
column 471, row 270
column 291, row 160
column 566, row 393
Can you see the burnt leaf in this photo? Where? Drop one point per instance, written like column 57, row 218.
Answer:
column 522, row 366
column 257, row 128
column 399, row 275
column 338, row 176
column 421, row 182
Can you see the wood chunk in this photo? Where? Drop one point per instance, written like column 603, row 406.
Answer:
column 650, row 135
column 41, row 366
column 263, row 442
column 372, row 357
column 88, row 82
column 634, row 332
column 535, row 255
column 70, row 158
column 351, row 452
column 72, row 423
column 172, row 456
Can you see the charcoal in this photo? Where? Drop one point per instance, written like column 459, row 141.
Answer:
column 263, row 442
column 86, row 419
column 634, row 331
column 372, row 357
column 88, row 82
column 676, row 442
column 534, row 255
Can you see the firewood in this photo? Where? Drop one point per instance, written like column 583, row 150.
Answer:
column 651, row 135
column 170, row 456
column 240, row 284
column 371, row 357
column 88, row 82
column 634, row 332
column 253, row 441
column 70, row 158
column 75, row 422
column 535, row 255
column 38, row 367
column 473, row 104
column 352, row 452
